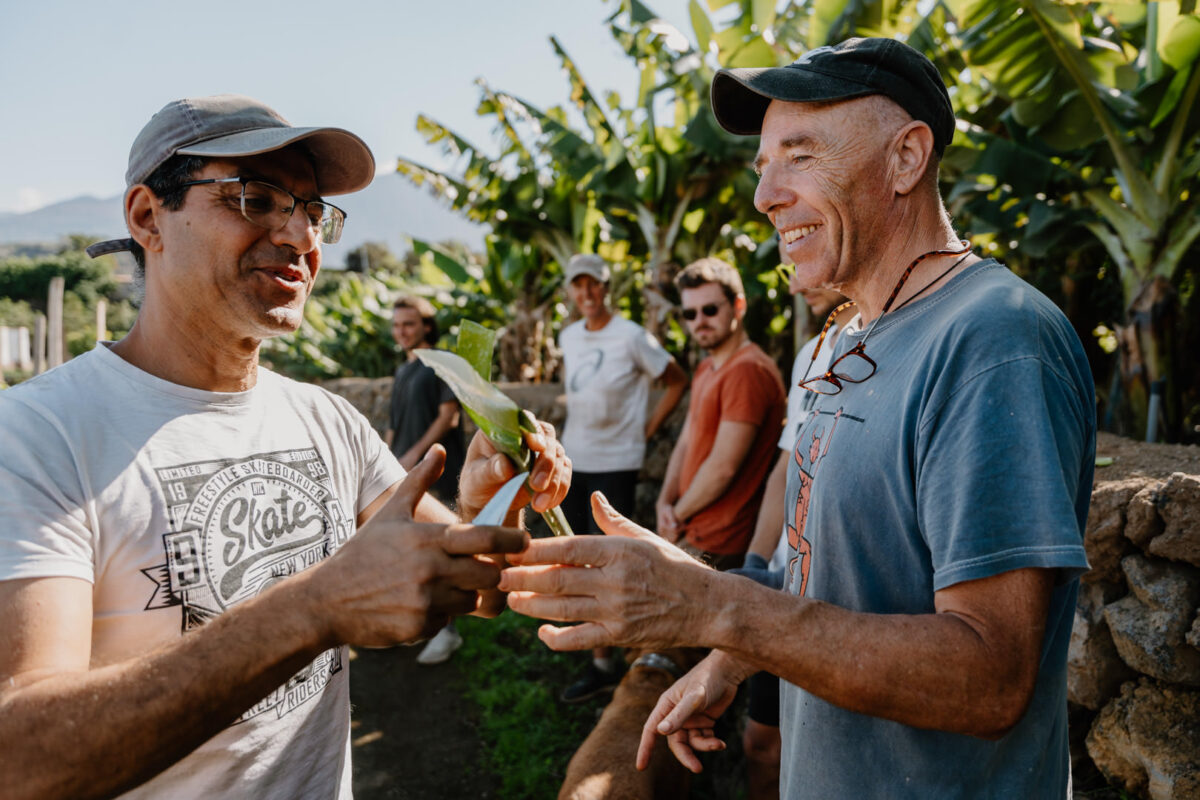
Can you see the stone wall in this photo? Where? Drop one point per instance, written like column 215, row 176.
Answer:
column 1133, row 675
column 1134, row 663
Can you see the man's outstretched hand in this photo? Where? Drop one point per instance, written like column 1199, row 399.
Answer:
column 398, row 580
column 627, row 588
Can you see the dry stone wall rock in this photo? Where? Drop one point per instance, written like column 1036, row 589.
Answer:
column 1142, row 521
column 1095, row 670
column 1104, row 538
column 1147, row 741
column 1178, row 503
column 1149, row 626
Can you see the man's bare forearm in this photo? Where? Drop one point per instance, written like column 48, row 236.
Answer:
column 958, row 672
column 670, row 485
column 710, row 482
column 729, row 450
column 99, row 732
column 676, row 384
column 441, row 424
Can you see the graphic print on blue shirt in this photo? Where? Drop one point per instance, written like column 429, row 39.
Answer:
column 812, row 445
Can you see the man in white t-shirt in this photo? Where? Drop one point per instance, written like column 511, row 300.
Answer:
column 190, row 542
column 608, row 365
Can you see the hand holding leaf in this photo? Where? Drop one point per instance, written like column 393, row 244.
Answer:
column 468, row 374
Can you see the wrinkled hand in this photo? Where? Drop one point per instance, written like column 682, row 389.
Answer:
column 398, row 580
column 486, row 470
column 687, row 712
column 667, row 523
column 629, row 588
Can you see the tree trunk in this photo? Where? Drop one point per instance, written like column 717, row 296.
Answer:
column 1145, row 358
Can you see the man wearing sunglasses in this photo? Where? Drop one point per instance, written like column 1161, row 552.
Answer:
column 936, row 496
column 714, row 479
column 190, row 542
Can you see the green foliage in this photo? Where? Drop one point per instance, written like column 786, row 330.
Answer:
column 24, row 290
column 528, row 734
column 347, row 330
column 28, row 279
column 16, row 313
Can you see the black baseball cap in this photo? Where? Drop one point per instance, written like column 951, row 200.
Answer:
column 853, row 68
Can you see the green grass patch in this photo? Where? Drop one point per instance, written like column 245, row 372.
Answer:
column 514, row 679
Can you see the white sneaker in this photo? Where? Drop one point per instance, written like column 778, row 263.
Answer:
column 441, row 647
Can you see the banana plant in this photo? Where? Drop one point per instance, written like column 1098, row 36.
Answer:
column 1110, row 90
column 468, row 374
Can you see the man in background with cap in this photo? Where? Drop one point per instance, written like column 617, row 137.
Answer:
column 608, row 365
column 189, row 541
column 937, row 493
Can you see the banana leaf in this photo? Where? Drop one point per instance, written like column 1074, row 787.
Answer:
column 497, row 416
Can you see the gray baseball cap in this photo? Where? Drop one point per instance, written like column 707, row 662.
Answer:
column 586, row 264
column 232, row 126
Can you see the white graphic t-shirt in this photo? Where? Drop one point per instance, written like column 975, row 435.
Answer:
column 607, row 377
column 176, row 504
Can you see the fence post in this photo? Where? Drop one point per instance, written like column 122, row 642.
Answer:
column 39, row 344
column 54, row 312
column 101, row 320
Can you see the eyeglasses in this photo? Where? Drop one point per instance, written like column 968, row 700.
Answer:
column 855, row 366
column 708, row 310
column 270, row 207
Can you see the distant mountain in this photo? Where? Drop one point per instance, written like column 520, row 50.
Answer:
column 386, row 211
column 86, row 215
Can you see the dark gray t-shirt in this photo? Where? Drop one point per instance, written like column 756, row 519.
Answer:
column 416, row 394
column 969, row 453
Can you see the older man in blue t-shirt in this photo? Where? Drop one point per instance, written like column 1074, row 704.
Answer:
column 936, row 496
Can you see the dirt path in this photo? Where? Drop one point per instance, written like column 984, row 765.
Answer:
column 413, row 736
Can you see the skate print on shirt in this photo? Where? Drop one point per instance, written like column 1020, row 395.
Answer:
column 238, row 526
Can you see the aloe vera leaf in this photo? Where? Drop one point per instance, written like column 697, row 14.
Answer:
column 476, row 344
column 489, row 408
column 501, row 421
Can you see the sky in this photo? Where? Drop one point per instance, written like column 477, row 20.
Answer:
column 79, row 78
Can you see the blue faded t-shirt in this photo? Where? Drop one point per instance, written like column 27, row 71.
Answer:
column 969, row 453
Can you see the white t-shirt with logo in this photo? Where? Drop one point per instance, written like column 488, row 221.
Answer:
column 607, row 377
column 176, row 504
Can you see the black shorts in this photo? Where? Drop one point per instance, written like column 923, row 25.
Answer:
column 764, row 699
column 618, row 487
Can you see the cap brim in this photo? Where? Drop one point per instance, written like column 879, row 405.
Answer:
column 342, row 161
column 740, row 96
column 110, row 246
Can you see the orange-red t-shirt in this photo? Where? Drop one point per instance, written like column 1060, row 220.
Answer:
column 746, row 388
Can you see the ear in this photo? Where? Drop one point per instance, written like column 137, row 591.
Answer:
column 142, row 211
column 739, row 306
column 914, row 148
